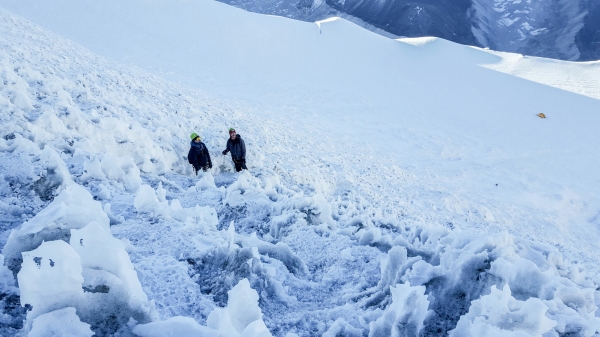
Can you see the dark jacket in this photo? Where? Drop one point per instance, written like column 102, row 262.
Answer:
column 237, row 148
column 199, row 156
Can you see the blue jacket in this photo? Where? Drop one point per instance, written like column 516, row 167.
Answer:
column 199, row 156
column 237, row 148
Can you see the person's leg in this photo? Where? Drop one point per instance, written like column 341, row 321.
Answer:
column 238, row 166
column 244, row 165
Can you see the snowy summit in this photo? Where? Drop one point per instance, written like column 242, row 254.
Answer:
column 386, row 187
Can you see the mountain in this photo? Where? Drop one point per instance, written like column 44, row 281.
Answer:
column 395, row 186
column 560, row 29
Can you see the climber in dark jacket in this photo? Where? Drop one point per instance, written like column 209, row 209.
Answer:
column 235, row 145
column 198, row 155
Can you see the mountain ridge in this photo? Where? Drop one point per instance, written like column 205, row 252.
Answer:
column 559, row 29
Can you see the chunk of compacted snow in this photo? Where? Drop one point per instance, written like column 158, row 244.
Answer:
column 206, row 182
column 500, row 314
column 50, row 278
column 73, row 208
column 99, row 251
column 122, row 169
column 146, row 200
column 63, row 322
column 242, row 317
column 55, row 275
column 92, row 170
column 406, row 314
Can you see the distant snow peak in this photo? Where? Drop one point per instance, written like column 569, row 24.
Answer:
column 547, row 28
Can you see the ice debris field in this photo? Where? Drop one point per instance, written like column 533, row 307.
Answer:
column 415, row 195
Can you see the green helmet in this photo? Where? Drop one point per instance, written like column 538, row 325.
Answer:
column 194, row 135
column 231, row 129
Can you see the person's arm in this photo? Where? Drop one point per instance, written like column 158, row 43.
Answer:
column 243, row 149
column 190, row 156
column 226, row 148
column 192, row 159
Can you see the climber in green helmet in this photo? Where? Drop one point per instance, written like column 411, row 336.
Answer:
column 198, row 155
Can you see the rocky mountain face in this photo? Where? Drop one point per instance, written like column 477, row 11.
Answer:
column 561, row 29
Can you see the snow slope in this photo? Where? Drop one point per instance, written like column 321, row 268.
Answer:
column 306, row 73
column 382, row 173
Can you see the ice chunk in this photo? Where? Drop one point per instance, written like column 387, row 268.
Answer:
column 175, row 326
column 63, row 322
column 243, row 305
column 104, row 193
column 55, row 275
column 207, row 182
column 99, row 251
column 92, row 170
column 500, row 314
column 319, row 207
column 48, row 126
column 122, row 169
column 405, row 316
column 161, row 193
column 50, row 278
column 421, row 273
column 394, row 266
column 242, row 316
column 54, row 177
column 146, row 200
column 74, row 208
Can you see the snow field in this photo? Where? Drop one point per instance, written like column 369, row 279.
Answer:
column 311, row 241
column 468, row 133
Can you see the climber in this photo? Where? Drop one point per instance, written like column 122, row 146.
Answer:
column 198, row 155
column 235, row 145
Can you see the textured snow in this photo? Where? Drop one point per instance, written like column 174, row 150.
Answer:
column 409, row 195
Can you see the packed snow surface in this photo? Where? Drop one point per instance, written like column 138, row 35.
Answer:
column 395, row 187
